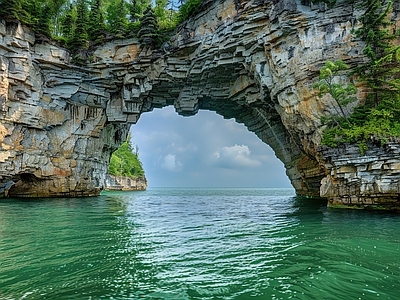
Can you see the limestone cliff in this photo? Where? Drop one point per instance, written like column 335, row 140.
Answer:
column 255, row 61
column 122, row 183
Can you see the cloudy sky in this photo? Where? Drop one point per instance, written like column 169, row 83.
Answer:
column 203, row 151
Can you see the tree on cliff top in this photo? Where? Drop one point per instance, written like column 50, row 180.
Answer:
column 96, row 28
column 80, row 38
column 13, row 9
column 80, row 24
column 148, row 32
column 125, row 162
column 381, row 71
column 116, row 18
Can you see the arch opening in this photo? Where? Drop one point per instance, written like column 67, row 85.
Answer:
column 205, row 150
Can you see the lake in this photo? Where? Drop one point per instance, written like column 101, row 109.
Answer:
column 167, row 243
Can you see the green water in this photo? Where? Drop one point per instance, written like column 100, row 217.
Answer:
column 196, row 244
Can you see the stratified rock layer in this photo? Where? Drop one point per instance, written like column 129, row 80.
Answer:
column 122, row 183
column 55, row 138
column 255, row 61
column 371, row 180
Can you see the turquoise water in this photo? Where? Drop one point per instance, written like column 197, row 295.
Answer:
column 196, row 244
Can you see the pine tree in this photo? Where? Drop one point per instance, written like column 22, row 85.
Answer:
column 96, row 28
column 148, row 28
column 161, row 12
column 68, row 23
column 80, row 39
column 14, row 10
column 116, row 18
column 381, row 70
column 57, row 8
column 134, row 11
column 39, row 12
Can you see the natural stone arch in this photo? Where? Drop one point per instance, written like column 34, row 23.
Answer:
column 91, row 107
column 233, row 92
column 255, row 61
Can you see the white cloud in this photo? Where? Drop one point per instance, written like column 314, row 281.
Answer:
column 234, row 157
column 170, row 163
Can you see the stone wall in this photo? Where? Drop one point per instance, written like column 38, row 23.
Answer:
column 255, row 61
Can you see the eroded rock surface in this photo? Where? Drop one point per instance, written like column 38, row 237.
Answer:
column 255, row 61
column 55, row 138
column 122, row 183
column 371, row 180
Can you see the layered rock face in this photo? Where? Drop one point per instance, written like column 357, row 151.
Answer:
column 55, row 138
column 121, row 183
column 371, row 180
column 255, row 61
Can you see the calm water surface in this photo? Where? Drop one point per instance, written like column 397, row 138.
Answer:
column 196, row 244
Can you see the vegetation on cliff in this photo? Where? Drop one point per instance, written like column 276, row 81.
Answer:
column 377, row 118
column 125, row 162
column 80, row 24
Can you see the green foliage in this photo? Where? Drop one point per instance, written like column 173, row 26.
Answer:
column 68, row 23
column 378, row 119
column 148, row 33
column 117, row 22
column 378, row 125
column 124, row 162
column 381, row 70
column 79, row 38
column 40, row 15
column 14, row 9
column 57, row 9
column 327, row 84
column 136, row 9
column 96, row 26
column 188, row 9
column 39, row 12
column 80, row 24
column 161, row 13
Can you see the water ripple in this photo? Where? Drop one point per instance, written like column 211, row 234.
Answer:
column 195, row 244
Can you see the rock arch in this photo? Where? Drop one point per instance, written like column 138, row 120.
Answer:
column 61, row 121
column 254, row 61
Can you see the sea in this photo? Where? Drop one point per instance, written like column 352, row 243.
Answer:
column 196, row 243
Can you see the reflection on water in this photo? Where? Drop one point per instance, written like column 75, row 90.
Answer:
column 196, row 244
